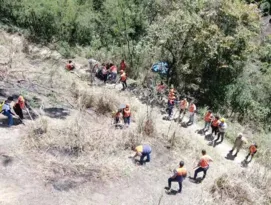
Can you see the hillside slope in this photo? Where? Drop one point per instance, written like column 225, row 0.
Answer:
column 71, row 153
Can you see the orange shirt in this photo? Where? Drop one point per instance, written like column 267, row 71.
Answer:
column 113, row 69
column 183, row 104
column 204, row 161
column 123, row 76
column 192, row 108
column 181, row 171
column 252, row 149
column 126, row 112
column 215, row 122
column 208, row 117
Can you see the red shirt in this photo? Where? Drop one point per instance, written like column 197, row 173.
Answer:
column 122, row 66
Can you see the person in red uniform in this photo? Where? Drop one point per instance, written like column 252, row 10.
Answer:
column 122, row 65
column 70, row 66
column 208, row 119
column 126, row 115
column 19, row 106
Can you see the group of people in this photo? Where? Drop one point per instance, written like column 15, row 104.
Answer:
column 6, row 109
column 179, row 174
column 125, row 113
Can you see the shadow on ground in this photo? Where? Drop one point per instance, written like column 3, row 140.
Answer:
column 58, row 113
column 4, row 122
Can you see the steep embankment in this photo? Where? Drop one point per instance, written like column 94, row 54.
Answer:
column 41, row 163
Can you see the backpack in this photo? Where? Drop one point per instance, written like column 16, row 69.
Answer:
column 1, row 106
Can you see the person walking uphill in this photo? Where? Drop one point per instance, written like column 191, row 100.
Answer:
column 127, row 115
column 203, row 165
column 214, row 125
column 183, row 108
column 123, row 79
column 6, row 110
column 222, row 127
column 122, row 65
column 142, row 151
column 179, row 176
column 239, row 141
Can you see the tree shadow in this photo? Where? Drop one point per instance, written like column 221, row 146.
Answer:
column 172, row 192
column 209, row 137
column 4, row 122
column 230, row 156
column 58, row 113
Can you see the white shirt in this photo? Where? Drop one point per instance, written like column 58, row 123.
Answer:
column 6, row 107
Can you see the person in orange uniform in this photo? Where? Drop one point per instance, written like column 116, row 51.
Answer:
column 203, row 164
column 160, row 90
column 127, row 115
column 113, row 71
column 179, row 176
column 252, row 151
column 183, row 107
column 70, row 66
column 192, row 110
column 208, row 119
column 214, row 125
column 19, row 106
column 122, row 65
column 142, row 151
column 171, row 103
column 123, row 79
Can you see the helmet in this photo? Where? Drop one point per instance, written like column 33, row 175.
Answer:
column 222, row 120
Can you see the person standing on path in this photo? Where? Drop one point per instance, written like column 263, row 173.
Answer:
column 126, row 115
column 123, row 79
column 214, row 125
column 239, row 141
column 203, row 165
column 208, row 119
column 183, row 107
column 252, row 151
column 179, row 176
column 122, row 65
column 192, row 110
column 142, row 151
column 222, row 127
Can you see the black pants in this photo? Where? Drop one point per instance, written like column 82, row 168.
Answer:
column 18, row 111
column 178, row 179
column 124, row 84
column 104, row 78
column 214, row 129
column 200, row 169
column 220, row 134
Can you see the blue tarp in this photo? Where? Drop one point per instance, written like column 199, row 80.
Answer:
column 160, row 67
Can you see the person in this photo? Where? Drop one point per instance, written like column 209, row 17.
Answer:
column 113, row 71
column 19, row 106
column 203, row 165
column 160, row 89
column 192, row 110
column 6, row 110
column 183, row 107
column 70, row 65
column 117, row 115
column 208, row 119
column 222, row 127
column 104, row 73
column 123, row 79
column 122, row 65
column 252, row 151
column 142, row 151
column 239, row 141
column 171, row 103
column 126, row 115
column 214, row 125
column 179, row 176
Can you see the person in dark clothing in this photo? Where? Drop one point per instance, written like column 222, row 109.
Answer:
column 179, row 176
